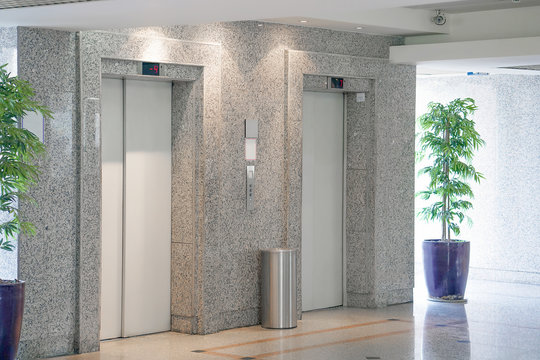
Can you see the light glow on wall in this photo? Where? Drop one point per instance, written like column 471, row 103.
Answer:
column 154, row 50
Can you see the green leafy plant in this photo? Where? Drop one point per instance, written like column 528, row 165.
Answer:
column 449, row 140
column 19, row 153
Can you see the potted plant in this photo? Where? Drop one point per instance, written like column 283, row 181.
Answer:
column 449, row 141
column 19, row 152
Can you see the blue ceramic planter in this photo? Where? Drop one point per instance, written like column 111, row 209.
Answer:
column 11, row 313
column 446, row 267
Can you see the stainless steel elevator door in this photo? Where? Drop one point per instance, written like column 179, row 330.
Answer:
column 322, row 200
column 146, row 208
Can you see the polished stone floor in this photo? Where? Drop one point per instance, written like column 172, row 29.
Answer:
column 500, row 321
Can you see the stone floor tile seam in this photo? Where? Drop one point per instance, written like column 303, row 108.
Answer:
column 298, row 335
column 333, row 343
column 308, row 347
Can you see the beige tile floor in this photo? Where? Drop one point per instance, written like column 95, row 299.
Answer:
column 500, row 321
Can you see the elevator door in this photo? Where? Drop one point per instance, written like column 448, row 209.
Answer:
column 136, row 207
column 322, row 200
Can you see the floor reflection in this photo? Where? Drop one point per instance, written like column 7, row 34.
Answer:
column 446, row 332
column 499, row 322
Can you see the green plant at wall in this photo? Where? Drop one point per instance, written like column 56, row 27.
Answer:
column 449, row 140
column 19, row 152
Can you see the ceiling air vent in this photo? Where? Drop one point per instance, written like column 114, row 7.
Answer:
column 13, row 4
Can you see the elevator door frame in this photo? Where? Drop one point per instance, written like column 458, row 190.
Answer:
column 343, row 193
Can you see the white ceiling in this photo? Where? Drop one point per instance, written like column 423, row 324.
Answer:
column 467, row 19
column 131, row 13
column 460, row 7
column 373, row 26
column 387, row 17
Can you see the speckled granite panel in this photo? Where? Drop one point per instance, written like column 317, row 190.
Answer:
column 196, row 127
column 167, row 71
column 253, row 88
column 8, row 55
column 360, row 271
column 246, row 73
column 187, row 112
column 391, row 228
column 315, row 82
column 393, row 296
column 186, row 325
column 394, row 179
column 361, row 300
column 231, row 319
column 350, row 85
column 505, row 215
column 48, row 262
column 50, row 345
column 356, row 85
column 90, row 225
column 182, row 280
column 227, row 268
column 380, row 299
column 360, row 132
column 360, row 201
column 284, row 36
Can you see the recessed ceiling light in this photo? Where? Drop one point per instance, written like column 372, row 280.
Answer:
column 359, row 28
column 303, row 21
column 259, row 25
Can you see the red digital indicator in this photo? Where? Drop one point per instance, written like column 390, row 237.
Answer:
column 336, row 83
column 150, row 69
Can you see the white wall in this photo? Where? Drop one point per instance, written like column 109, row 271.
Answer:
column 504, row 241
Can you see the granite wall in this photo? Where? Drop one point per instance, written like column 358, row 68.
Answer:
column 196, row 174
column 504, row 244
column 187, row 135
column 242, row 70
column 8, row 55
column 49, row 262
column 379, row 176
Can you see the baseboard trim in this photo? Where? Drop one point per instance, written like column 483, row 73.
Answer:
column 508, row 276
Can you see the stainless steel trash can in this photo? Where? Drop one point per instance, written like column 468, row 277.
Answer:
column 279, row 288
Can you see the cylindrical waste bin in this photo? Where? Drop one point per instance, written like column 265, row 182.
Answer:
column 279, row 288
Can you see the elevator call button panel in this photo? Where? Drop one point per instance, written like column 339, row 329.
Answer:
column 250, row 188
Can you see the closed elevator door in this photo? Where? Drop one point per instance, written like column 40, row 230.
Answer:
column 322, row 200
column 136, row 207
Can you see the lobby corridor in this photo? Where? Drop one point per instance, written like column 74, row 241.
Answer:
column 500, row 321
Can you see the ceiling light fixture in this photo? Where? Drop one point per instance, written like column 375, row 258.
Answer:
column 303, row 21
column 359, row 28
